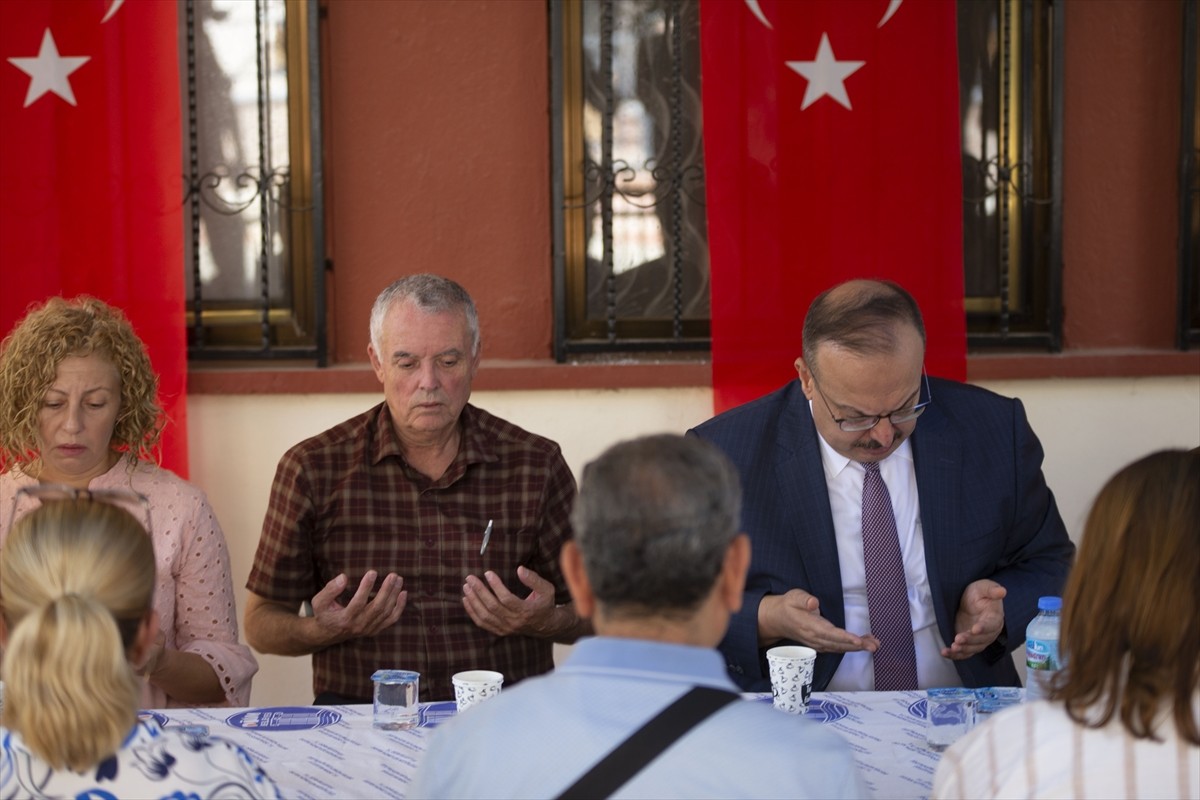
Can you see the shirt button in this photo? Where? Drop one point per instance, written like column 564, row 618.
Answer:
column 429, row 542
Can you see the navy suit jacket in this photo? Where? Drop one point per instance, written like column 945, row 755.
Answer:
column 986, row 512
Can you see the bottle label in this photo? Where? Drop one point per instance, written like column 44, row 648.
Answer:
column 1040, row 654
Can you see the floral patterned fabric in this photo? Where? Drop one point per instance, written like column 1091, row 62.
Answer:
column 152, row 763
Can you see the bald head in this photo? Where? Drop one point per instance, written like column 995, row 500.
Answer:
column 863, row 317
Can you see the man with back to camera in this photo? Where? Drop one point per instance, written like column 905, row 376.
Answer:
column 425, row 531
column 907, row 555
column 658, row 565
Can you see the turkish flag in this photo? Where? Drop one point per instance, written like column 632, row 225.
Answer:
column 831, row 141
column 91, row 186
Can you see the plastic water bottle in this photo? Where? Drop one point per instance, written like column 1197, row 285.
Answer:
column 1041, row 648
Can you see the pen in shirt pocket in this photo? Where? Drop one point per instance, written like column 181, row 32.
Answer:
column 487, row 535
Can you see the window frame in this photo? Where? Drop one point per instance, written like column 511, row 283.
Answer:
column 1026, row 313
column 1188, row 312
column 225, row 331
column 574, row 334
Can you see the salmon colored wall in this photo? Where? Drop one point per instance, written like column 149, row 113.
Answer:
column 1120, row 168
column 437, row 160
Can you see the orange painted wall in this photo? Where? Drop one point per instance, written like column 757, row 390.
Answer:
column 437, row 160
column 1120, row 168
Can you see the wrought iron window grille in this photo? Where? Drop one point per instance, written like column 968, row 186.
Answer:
column 1010, row 56
column 630, row 248
column 253, row 225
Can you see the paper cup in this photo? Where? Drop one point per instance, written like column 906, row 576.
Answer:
column 791, row 670
column 475, row 686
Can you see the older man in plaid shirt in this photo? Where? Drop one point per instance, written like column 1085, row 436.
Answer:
column 425, row 531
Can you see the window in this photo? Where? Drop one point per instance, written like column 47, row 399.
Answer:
column 630, row 239
column 630, row 252
column 1010, row 99
column 252, row 213
column 1189, row 187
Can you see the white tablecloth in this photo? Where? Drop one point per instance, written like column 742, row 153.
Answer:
column 311, row 756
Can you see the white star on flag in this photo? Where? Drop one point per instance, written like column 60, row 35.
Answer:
column 49, row 71
column 826, row 75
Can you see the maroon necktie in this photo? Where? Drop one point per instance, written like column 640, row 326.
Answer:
column 887, row 591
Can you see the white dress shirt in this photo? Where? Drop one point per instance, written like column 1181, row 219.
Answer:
column 844, row 479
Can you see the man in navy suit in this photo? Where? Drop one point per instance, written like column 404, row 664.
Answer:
column 979, row 532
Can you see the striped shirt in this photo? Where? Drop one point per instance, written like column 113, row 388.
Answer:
column 1035, row 750
column 346, row 501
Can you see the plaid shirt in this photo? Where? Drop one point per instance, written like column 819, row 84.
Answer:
column 346, row 501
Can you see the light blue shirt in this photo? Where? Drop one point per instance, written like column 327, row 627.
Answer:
column 538, row 738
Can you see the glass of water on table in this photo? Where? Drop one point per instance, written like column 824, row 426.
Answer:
column 949, row 714
column 397, row 699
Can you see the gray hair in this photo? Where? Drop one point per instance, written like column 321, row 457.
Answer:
column 653, row 521
column 433, row 294
column 860, row 316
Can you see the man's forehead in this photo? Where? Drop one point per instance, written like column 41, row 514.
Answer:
column 405, row 318
column 411, row 329
column 404, row 306
column 864, row 382
column 400, row 351
column 901, row 344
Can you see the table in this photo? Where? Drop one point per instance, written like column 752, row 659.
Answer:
column 335, row 752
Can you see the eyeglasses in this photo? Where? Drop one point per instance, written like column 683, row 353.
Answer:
column 135, row 503
column 897, row 417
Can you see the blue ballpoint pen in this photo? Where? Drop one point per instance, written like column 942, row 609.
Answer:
column 487, row 534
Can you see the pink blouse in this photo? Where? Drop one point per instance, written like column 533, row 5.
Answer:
column 193, row 594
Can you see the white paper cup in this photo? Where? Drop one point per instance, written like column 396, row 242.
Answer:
column 474, row 686
column 791, row 668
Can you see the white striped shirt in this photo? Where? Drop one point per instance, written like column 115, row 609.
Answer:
column 1035, row 750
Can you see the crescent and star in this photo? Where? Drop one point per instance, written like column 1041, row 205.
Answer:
column 118, row 3
column 50, row 72
column 826, row 75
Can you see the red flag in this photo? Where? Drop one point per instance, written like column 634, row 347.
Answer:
column 831, row 138
column 91, row 184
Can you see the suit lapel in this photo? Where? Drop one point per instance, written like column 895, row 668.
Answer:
column 937, row 459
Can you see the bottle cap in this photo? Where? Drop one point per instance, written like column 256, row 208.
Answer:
column 1049, row 604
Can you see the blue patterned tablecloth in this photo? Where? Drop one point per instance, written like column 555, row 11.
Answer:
column 335, row 752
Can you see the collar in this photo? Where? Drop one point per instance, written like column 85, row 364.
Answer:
column 835, row 463
column 646, row 659
column 474, row 445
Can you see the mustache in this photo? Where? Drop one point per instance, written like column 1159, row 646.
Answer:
column 871, row 444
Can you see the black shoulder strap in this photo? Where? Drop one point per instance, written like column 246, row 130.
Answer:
column 644, row 745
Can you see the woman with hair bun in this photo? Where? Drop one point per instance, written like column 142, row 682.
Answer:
column 78, row 590
column 79, row 408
